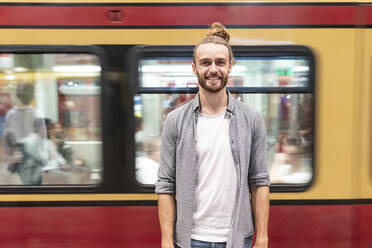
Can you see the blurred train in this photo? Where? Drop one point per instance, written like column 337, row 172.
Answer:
column 105, row 74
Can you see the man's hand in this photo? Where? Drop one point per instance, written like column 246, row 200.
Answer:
column 167, row 244
column 262, row 242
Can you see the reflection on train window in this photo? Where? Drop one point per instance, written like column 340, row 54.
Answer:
column 50, row 119
column 288, row 116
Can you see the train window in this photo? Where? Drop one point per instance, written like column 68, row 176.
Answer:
column 276, row 81
column 50, row 123
column 247, row 72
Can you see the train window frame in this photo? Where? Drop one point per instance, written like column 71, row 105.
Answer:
column 104, row 95
column 141, row 52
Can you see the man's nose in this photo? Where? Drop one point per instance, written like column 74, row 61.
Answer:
column 213, row 68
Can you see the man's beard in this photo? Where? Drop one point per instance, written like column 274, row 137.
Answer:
column 203, row 83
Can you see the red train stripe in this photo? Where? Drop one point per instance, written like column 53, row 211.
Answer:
column 367, row 15
column 245, row 15
column 290, row 226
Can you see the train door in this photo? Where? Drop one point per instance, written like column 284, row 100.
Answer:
column 278, row 81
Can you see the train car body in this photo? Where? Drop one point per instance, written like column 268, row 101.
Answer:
column 332, row 209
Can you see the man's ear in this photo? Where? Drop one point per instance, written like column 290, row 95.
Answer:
column 193, row 68
column 230, row 66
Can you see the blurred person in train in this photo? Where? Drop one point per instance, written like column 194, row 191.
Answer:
column 213, row 160
column 6, row 177
column 60, row 154
column 147, row 165
column 59, row 139
column 63, row 167
column 56, row 135
column 293, row 163
column 25, row 137
column 140, row 136
column 29, row 155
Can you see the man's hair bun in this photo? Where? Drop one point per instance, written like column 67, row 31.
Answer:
column 217, row 29
column 217, row 34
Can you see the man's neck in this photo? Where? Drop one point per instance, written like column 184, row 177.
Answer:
column 213, row 103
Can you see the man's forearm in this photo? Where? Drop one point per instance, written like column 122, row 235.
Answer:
column 260, row 206
column 166, row 205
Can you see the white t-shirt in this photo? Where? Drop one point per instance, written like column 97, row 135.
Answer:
column 217, row 181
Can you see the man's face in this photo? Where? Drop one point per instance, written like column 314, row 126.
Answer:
column 58, row 131
column 212, row 66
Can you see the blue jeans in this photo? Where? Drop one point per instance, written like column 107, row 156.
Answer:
column 202, row 244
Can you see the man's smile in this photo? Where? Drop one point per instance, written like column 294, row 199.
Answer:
column 213, row 78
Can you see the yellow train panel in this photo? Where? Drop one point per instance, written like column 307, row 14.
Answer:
column 334, row 85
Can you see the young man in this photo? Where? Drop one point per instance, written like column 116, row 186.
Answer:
column 213, row 159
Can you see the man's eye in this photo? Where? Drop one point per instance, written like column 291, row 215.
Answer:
column 221, row 63
column 205, row 63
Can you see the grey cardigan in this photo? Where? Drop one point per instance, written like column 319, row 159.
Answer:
column 178, row 171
